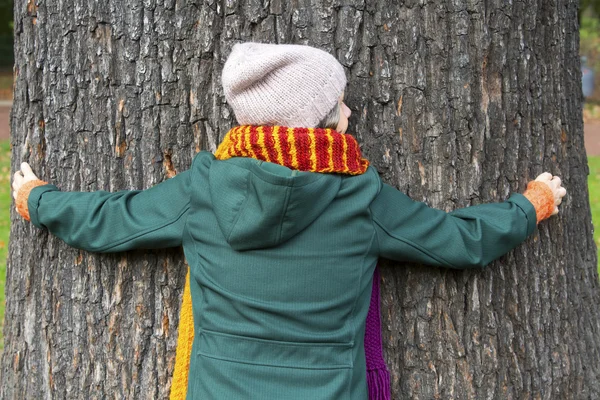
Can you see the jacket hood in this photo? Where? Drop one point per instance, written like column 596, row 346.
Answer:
column 260, row 205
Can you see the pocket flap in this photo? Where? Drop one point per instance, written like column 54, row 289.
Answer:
column 274, row 353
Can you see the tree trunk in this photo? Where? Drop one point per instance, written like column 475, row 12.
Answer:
column 456, row 102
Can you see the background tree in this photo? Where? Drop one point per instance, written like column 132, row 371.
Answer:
column 6, row 37
column 457, row 102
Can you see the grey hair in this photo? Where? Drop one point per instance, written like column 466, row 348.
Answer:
column 330, row 121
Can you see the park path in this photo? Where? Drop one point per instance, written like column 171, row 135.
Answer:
column 591, row 129
column 592, row 138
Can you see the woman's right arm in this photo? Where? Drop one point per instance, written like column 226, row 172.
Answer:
column 474, row 236
column 107, row 222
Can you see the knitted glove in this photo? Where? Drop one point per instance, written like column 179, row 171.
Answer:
column 24, row 180
column 545, row 193
column 23, row 196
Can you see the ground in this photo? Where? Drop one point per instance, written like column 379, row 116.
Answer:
column 592, row 138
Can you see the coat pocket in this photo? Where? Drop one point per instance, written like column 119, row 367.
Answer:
column 238, row 367
column 275, row 353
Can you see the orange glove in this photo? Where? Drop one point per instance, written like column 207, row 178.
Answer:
column 545, row 193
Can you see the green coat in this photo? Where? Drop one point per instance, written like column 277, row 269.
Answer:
column 281, row 263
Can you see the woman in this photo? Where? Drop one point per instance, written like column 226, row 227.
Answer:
column 282, row 229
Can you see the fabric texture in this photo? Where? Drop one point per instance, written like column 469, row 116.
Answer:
column 302, row 149
column 292, row 85
column 378, row 376
column 23, row 196
column 540, row 195
column 244, row 223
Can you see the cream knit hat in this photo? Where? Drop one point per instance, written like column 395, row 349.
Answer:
column 281, row 84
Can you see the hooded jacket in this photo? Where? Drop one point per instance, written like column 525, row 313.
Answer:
column 281, row 263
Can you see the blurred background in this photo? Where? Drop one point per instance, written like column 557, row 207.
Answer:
column 589, row 48
column 6, row 49
column 6, row 81
column 6, row 64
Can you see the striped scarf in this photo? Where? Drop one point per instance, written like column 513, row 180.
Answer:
column 302, row 149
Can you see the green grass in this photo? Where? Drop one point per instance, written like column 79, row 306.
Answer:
column 589, row 29
column 4, row 223
column 594, row 187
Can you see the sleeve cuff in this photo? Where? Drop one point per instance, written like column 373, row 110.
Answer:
column 542, row 198
column 33, row 201
column 525, row 205
column 23, row 197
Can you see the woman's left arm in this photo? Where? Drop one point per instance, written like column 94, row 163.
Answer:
column 106, row 222
column 409, row 230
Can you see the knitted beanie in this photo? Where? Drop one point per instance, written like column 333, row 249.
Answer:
column 281, row 84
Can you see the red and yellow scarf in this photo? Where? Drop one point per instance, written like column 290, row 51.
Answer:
column 303, row 149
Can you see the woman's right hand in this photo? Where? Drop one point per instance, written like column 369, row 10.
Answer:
column 554, row 183
column 21, row 177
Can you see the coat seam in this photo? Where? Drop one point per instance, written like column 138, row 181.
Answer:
column 241, row 210
column 413, row 245
column 143, row 233
column 236, row 361
column 286, row 201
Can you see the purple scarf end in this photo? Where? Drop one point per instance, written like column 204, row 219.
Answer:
column 378, row 381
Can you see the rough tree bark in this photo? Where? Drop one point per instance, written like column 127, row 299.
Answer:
column 456, row 102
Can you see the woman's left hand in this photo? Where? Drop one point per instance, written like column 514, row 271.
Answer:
column 555, row 185
column 24, row 175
